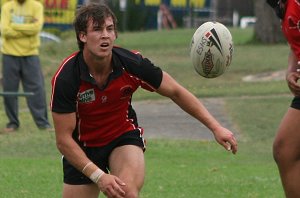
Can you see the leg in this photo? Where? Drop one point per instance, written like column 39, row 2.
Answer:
column 80, row 191
column 33, row 81
column 11, row 79
column 76, row 185
column 127, row 162
column 286, row 151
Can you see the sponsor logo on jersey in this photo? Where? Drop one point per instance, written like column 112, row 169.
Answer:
column 87, row 96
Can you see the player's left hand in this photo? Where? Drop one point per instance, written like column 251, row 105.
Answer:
column 111, row 186
column 226, row 138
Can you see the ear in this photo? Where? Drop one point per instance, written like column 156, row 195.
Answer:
column 82, row 37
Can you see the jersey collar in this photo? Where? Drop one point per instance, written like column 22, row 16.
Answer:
column 85, row 74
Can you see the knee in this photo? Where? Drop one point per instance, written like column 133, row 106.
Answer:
column 131, row 193
column 284, row 152
column 278, row 151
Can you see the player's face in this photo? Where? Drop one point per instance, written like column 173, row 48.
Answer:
column 99, row 38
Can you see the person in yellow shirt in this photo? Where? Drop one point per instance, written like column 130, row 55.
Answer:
column 21, row 23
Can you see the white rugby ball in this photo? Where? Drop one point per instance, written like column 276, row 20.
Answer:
column 211, row 49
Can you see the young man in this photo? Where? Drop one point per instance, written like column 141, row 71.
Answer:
column 96, row 127
column 21, row 23
column 286, row 147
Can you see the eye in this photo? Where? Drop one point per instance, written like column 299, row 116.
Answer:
column 97, row 28
column 110, row 28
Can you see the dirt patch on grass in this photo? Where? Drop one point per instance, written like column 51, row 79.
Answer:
column 266, row 76
column 164, row 119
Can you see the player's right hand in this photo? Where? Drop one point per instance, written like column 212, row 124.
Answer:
column 226, row 138
column 111, row 186
column 292, row 78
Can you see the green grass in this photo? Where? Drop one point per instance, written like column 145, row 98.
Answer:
column 202, row 169
column 30, row 163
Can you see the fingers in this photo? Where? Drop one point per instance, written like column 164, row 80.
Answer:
column 120, row 182
column 115, row 191
column 230, row 144
column 292, row 79
column 111, row 186
column 226, row 138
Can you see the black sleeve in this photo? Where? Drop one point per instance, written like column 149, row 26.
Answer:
column 139, row 66
column 64, row 97
column 151, row 73
column 279, row 10
column 273, row 3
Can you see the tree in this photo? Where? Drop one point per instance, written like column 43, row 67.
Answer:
column 267, row 27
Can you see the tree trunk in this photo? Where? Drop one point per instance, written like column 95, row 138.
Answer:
column 267, row 28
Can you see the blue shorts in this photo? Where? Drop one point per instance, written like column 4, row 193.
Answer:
column 296, row 103
column 100, row 155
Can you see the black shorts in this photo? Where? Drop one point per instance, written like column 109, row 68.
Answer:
column 296, row 103
column 100, row 155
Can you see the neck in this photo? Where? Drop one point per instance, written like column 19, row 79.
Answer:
column 100, row 71
column 98, row 66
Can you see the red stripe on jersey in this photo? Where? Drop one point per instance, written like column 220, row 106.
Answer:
column 144, row 84
column 57, row 73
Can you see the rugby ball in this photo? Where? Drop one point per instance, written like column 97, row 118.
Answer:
column 211, row 49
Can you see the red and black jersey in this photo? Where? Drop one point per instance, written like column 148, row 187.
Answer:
column 291, row 25
column 105, row 113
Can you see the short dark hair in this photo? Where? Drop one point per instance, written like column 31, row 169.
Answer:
column 98, row 12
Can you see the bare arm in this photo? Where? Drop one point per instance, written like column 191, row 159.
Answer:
column 193, row 106
column 292, row 74
column 64, row 126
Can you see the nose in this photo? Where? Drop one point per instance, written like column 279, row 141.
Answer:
column 104, row 33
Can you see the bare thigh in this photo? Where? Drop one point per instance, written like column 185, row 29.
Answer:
column 80, row 191
column 288, row 136
column 127, row 162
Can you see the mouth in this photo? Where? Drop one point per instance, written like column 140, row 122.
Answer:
column 104, row 45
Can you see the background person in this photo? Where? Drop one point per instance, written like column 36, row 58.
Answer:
column 21, row 23
column 95, row 125
column 286, row 147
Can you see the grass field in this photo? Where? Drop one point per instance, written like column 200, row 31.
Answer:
column 30, row 163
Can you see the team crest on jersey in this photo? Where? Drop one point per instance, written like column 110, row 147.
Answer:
column 87, row 96
column 104, row 99
column 126, row 91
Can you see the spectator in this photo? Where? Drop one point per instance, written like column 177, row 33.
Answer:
column 21, row 23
